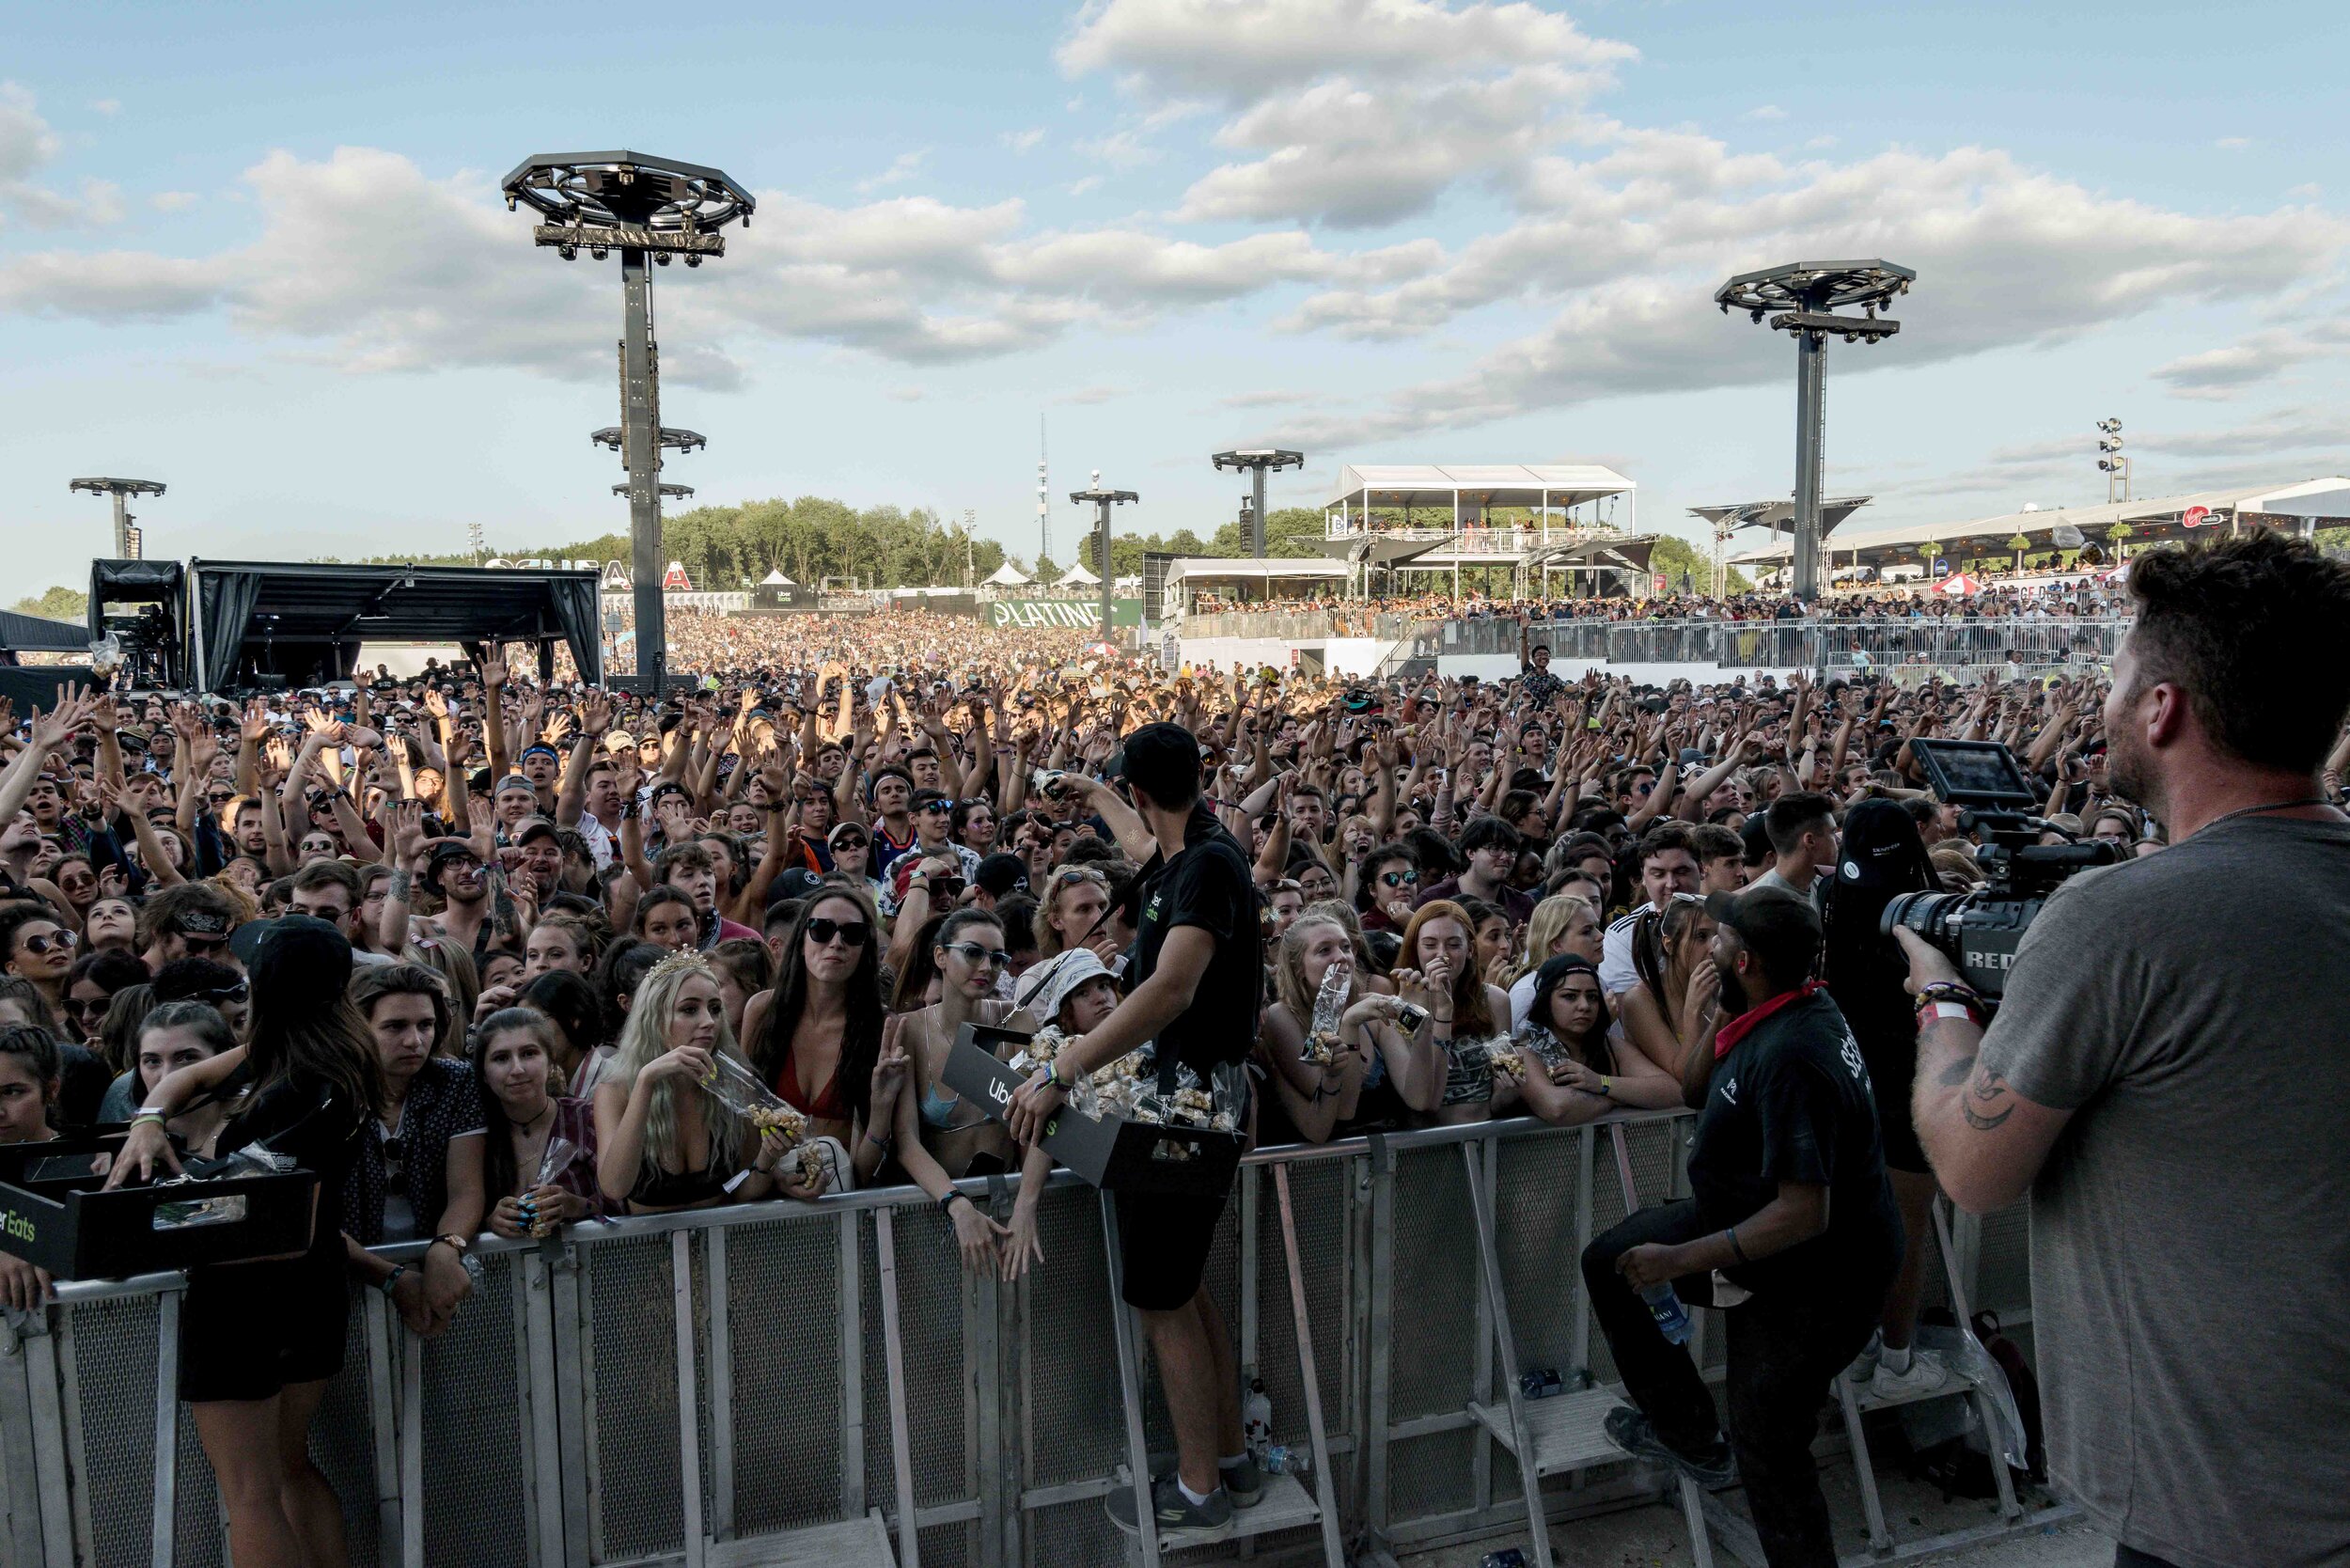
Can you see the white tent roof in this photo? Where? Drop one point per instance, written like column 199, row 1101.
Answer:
column 1076, row 576
column 1245, row 569
column 1501, row 484
column 777, row 579
column 1007, row 575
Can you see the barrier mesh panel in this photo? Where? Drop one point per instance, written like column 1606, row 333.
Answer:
column 195, row 1506
column 783, row 1302
column 1534, row 1204
column 1431, row 1475
column 1073, row 1424
column 342, row 1439
column 931, row 1292
column 1319, row 1197
column 1075, row 1534
column 115, row 1368
column 1434, row 1289
column 476, row 1445
column 2004, row 1278
column 636, row 1412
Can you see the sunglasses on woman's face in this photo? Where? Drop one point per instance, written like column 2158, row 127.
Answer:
column 976, row 956
column 854, row 933
column 62, row 939
column 84, row 1007
column 1399, row 879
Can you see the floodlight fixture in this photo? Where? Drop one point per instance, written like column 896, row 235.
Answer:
column 1804, row 299
column 1256, row 459
column 2110, row 462
column 127, row 538
column 645, row 208
column 1103, row 501
column 668, row 491
column 671, row 439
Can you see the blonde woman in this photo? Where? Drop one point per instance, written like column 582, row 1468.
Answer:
column 663, row 1142
column 1562, row 923
column 1373, row 1079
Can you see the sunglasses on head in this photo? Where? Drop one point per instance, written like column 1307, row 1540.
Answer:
column 822, row 931
column 976, row 956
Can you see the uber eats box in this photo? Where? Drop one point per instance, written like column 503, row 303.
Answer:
column 1113, row 1152
column 55, row 1214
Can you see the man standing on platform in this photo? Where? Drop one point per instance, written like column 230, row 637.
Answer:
column 1197, row 971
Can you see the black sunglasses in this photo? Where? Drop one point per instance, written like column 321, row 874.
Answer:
column 1399, row 879
column 854, row 932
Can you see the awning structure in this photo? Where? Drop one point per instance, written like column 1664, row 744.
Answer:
column 1007, row 575
column 34, row 634
column 259, row 622
column 1472, row 485
column 1077, row 576
column 775, row 578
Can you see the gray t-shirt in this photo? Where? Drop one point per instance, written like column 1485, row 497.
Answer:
column 2190, row 1231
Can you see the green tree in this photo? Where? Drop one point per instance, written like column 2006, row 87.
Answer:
column 1675, row 555
column 56, row 603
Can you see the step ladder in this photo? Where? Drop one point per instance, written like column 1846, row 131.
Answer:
column 1563, row 1434
column 1286, row 1503
column 1858, row 1401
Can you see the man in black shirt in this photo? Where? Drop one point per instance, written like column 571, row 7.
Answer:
column 1791, row 1209
column 1198, row 969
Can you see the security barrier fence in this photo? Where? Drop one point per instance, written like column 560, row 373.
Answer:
column 1952, row 649
column 823, row 1382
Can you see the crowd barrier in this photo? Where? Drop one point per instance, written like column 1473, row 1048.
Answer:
column 788, row 1383
column 1953, row 649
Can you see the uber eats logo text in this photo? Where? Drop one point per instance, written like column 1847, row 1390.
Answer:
column 17, row 1225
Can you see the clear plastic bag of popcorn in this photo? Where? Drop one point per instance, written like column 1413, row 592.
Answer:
column 741, row 1091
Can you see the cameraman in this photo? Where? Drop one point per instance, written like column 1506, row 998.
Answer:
column 2169, row 1091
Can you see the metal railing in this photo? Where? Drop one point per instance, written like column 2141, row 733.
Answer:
column 687, row 1388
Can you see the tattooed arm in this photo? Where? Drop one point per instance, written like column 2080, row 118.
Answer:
column 1985, row 1141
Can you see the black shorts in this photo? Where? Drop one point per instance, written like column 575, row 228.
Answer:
column 249, row 1331
column 1892, row 1071
column 1163, row 1243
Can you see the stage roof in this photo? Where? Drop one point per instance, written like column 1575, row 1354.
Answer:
column 248, row 606
column 33, row 634
column 1248, row 569
column 1780, row 517
column 1492, row 484
column 2151, row 520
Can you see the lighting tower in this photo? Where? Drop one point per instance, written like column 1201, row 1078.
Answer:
column 1044, row 496
column 1257, row 461
column 648, row 209
column 1102, row 500
column 126, row 539
column 2109, row 459
column 1806, row 295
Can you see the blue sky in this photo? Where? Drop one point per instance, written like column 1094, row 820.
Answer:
column 254, row 251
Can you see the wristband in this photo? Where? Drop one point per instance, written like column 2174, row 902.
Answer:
column 946, row 1204
column 1950, row 1009
column 1052, row 1076
column 148, row 1116
column 392, row 1279
column 1731, row 1235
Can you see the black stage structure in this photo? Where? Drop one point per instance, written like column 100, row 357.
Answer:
column 225, row 626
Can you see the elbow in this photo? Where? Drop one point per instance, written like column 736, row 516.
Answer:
column 1979, row 1192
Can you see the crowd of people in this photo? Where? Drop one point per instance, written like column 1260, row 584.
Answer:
column 2074, row 597
column 496, row 956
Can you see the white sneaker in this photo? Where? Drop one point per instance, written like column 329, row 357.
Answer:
column 1864, row 1365
column 1926, row 1375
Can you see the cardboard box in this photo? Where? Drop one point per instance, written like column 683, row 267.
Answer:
column 1113, row 1154
column 53, row 1215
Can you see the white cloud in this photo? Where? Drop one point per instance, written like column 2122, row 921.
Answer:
column 1766, row 111
column 1120, row 149
column 26, row 140
column 2306, row 193
column 2234, row 143
column 173, row 202
column 901, row 168
column 27, row 145
column 1024, row 141
column 1090, row 183
column 1819, row 144
column 2258, row 359
column 106, row 105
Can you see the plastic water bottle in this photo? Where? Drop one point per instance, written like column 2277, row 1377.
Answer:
column 1282, row 1460
column 1672, row 1319
column 1509, row 1556
column 1255, row 1420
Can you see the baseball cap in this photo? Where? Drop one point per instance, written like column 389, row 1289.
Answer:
column 1781, row 928
column 1161, row 760
column 295, row 964
column 535, row 827
column 797, row 882
column 444, row 851
column 1001, row 874
column 515, row 783
column 619, row 740
column 859, row 829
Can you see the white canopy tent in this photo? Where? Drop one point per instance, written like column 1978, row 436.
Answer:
column 1077, row 576
column 777, row 579
column 1007, row 575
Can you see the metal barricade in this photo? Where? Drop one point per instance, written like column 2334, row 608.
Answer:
column 701, row 1389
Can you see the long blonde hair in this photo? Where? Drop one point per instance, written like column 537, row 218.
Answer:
column 645, row 1037
column 1549, row 921
column 1289, row 967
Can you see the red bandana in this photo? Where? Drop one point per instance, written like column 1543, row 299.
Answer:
column 1726, row 1039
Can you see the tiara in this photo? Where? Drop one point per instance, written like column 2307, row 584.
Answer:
column 677, row 962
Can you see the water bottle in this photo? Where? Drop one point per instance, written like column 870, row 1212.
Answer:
column 1282, row 1460
column 1672, row 1319
column 1541, row 1384
column 1255, row 1420
column 1509, row 1556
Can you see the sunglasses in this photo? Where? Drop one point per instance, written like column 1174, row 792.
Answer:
column 218, row 994
column 976, row 956
column 1399, row 879
column 88, row 1005
column 1071, row 879
column 854, row 932
column 851, row 843
column 63, row 939
column 941, row 807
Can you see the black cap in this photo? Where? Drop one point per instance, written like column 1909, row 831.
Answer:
column 1001, row 875
column 536, row 827
column 797, row 882
column 1163, row 762
column 296, row 964
column 1782, row 929
column 444, row 851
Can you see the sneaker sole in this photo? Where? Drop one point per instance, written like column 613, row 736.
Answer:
column 1172, row 1536
column 1657, row 1454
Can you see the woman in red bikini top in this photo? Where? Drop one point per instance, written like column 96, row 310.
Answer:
column 816, row 1037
